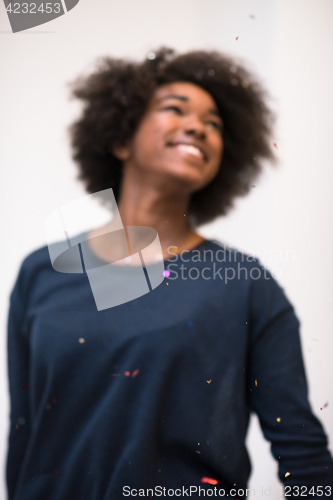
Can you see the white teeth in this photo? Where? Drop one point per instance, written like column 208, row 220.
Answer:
column 188, row 148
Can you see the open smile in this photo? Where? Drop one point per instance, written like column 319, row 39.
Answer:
column 187, row 149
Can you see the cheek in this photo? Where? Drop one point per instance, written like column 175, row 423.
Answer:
column 147, row 145
column 150, row 140
column 217, row 149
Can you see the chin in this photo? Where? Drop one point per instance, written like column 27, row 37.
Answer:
column 189, row 179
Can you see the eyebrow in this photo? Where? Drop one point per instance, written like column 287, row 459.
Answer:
column 186, row 99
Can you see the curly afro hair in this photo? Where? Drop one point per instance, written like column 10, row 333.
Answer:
column 116, row 96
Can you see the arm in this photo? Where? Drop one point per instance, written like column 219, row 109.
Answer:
column 18, row 371
column 277, row 391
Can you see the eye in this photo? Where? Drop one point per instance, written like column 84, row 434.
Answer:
column 174, row 108
column 215, row 125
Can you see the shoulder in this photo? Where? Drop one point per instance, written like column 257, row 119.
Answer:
column 28, row 270
column 234, row 258
column 231, row 253
column 268, row 306
column 22, row 291
column 31, row 264
column 264, row 290
column 42, row 260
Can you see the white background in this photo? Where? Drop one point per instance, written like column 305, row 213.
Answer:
column 289, row 45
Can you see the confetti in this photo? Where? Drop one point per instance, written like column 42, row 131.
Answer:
column 208, row 480
column 82, row 341
column 115, row 374
column 278, row 419
column 16, row 426
column 209, row 381
column 127, row 374
column 166, row 273
column 236, row 37
column 275, row 145
column 287, row 474
column 24, row 387
column 134, row 374
column 256, row 383
column 199, row 452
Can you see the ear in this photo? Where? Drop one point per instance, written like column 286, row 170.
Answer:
column 121, row 152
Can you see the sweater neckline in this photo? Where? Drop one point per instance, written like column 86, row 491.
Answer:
column 101, row 262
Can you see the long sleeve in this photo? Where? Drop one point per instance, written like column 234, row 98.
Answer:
column 278, row 393
column 18, row 371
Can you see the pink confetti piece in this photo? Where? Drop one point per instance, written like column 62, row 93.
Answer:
column 208, row 480
column 275, row 145
column 236, row 37
column 134, row 374
column 166, row 273
column 127, row 374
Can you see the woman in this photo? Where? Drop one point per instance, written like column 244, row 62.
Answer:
column 156, row 392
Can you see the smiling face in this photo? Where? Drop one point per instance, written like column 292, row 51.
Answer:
column 179, row 139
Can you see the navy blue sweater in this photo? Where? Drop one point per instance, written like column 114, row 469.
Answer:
column 157, row 392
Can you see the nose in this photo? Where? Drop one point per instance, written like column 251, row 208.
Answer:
column 194, row 126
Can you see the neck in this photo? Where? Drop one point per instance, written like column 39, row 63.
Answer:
column 145, row 203
column 154, row 203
